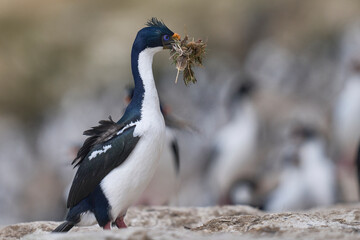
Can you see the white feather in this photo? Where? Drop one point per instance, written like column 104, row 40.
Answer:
column 87, row 219
column 96, row 153
column 126, row 127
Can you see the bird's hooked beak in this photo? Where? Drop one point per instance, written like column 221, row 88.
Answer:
column 176, row 37
column 168, row 44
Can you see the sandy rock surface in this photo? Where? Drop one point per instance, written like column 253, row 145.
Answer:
column 229, row 222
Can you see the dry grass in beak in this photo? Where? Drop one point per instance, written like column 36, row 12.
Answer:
column 185, row 55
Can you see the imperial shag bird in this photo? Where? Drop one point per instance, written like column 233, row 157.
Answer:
column 308, row 177
column 163, row 185
column 118, row 159
column 234, row 144
column 347, row 129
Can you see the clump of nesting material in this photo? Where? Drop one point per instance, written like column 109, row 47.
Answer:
column 185, row 55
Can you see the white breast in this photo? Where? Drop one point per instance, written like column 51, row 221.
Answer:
column 163, row 185
column 124, row 185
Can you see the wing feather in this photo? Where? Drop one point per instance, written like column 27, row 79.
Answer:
column 98, row 134
column 101, row 152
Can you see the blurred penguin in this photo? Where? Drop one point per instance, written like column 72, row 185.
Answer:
column 246, row 191
column 347, row 130
column 233, row 149
column 308, row 176
column 347, row 112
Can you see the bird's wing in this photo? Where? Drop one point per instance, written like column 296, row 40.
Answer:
column 108, row 145
column 99, row 134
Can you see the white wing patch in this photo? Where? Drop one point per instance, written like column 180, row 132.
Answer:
column 126, row 127
column 94, row 154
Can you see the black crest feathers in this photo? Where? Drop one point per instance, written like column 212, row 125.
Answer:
column 154, row 22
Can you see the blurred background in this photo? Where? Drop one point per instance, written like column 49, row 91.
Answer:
column 274, row 116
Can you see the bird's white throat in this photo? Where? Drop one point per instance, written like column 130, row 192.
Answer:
column 150, row 105
column 145, row 70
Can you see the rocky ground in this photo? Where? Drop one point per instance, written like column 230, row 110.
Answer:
column 229, row 222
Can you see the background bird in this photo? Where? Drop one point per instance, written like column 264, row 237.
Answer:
column 347, row 129
column 308, row 176
column 235, row 143
column 118, row 159
column 346, row 112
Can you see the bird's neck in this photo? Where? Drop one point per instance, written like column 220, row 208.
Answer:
column 145, row 93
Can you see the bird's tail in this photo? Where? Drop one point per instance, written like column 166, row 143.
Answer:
column 64, row 227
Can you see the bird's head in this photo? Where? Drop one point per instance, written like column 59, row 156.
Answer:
column 156, row 34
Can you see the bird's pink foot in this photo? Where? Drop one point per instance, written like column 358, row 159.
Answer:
column 107, row 226
column 119, row 222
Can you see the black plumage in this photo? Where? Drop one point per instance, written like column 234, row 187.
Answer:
column 92, row 171
column 98, row 134
column 175, row 148
column 154, row 22
column 64, row 227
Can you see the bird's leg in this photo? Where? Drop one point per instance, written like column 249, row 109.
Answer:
column 119, row 222
column 107, row 226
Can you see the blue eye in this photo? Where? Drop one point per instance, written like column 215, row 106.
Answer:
column 166, row 37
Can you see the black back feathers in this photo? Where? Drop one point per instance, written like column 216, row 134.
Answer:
column 99, row 134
